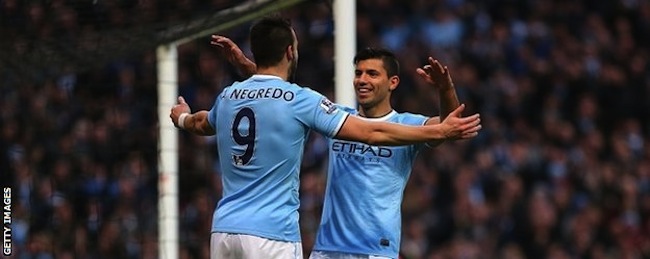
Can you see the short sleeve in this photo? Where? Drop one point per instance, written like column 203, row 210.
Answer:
column 318, row 113
column 212, row 114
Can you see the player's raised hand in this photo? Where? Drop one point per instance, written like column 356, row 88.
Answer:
column 234, row 54
column 436, row 75
column 228, row 48
column 461, row 127
column 180, row 108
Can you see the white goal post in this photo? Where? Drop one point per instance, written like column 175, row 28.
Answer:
column 345, row 45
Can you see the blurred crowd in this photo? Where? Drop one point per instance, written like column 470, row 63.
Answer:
column 561, row 168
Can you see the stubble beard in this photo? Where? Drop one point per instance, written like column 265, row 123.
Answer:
column 292, row 71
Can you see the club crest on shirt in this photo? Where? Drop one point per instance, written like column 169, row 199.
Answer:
column 327, row 106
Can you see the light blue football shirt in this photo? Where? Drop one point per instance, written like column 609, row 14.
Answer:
column 363, row 196
column 261, row 127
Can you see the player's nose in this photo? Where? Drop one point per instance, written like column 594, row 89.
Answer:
column 362, row 79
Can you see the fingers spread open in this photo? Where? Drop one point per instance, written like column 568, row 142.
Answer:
column 421, row 72
column 470, row 122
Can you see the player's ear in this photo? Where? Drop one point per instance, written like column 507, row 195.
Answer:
column 394, row 82
column 289, row 52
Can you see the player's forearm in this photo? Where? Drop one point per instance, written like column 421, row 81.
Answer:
column 385, row 133
column 391, row 134
column 448, row 101
column 246, row 67
column 197, row 123
column 454, row 127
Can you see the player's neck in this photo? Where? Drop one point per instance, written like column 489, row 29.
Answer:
column 377, row 111
column 278, row 71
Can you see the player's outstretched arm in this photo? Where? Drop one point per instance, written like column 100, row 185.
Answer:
column 234, row 55
column 196, row 123
column 393, row 134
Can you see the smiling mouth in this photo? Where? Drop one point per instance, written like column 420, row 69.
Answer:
column 363, row 90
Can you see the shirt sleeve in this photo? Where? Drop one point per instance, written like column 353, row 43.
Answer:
column 212, row 114
column 319, row 113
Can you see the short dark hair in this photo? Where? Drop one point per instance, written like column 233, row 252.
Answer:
column 390, row 61
column 270, row 36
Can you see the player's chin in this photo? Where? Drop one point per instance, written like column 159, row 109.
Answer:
column 364, row 101
column 364, row 97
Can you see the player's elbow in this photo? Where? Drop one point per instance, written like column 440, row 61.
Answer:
column 373, row 140
column 205, row 129
column 371, row 133
column 377, row 137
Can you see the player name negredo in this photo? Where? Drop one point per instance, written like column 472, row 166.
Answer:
column 261, row 93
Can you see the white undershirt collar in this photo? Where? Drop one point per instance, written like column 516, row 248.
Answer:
column 266, row 77
column 382, row 118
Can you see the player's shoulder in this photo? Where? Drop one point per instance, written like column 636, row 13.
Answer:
column 410, row 118
column 304, row 92
column 235, row 85
column 347, row 109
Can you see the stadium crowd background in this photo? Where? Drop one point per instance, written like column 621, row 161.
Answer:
column 560, row 170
